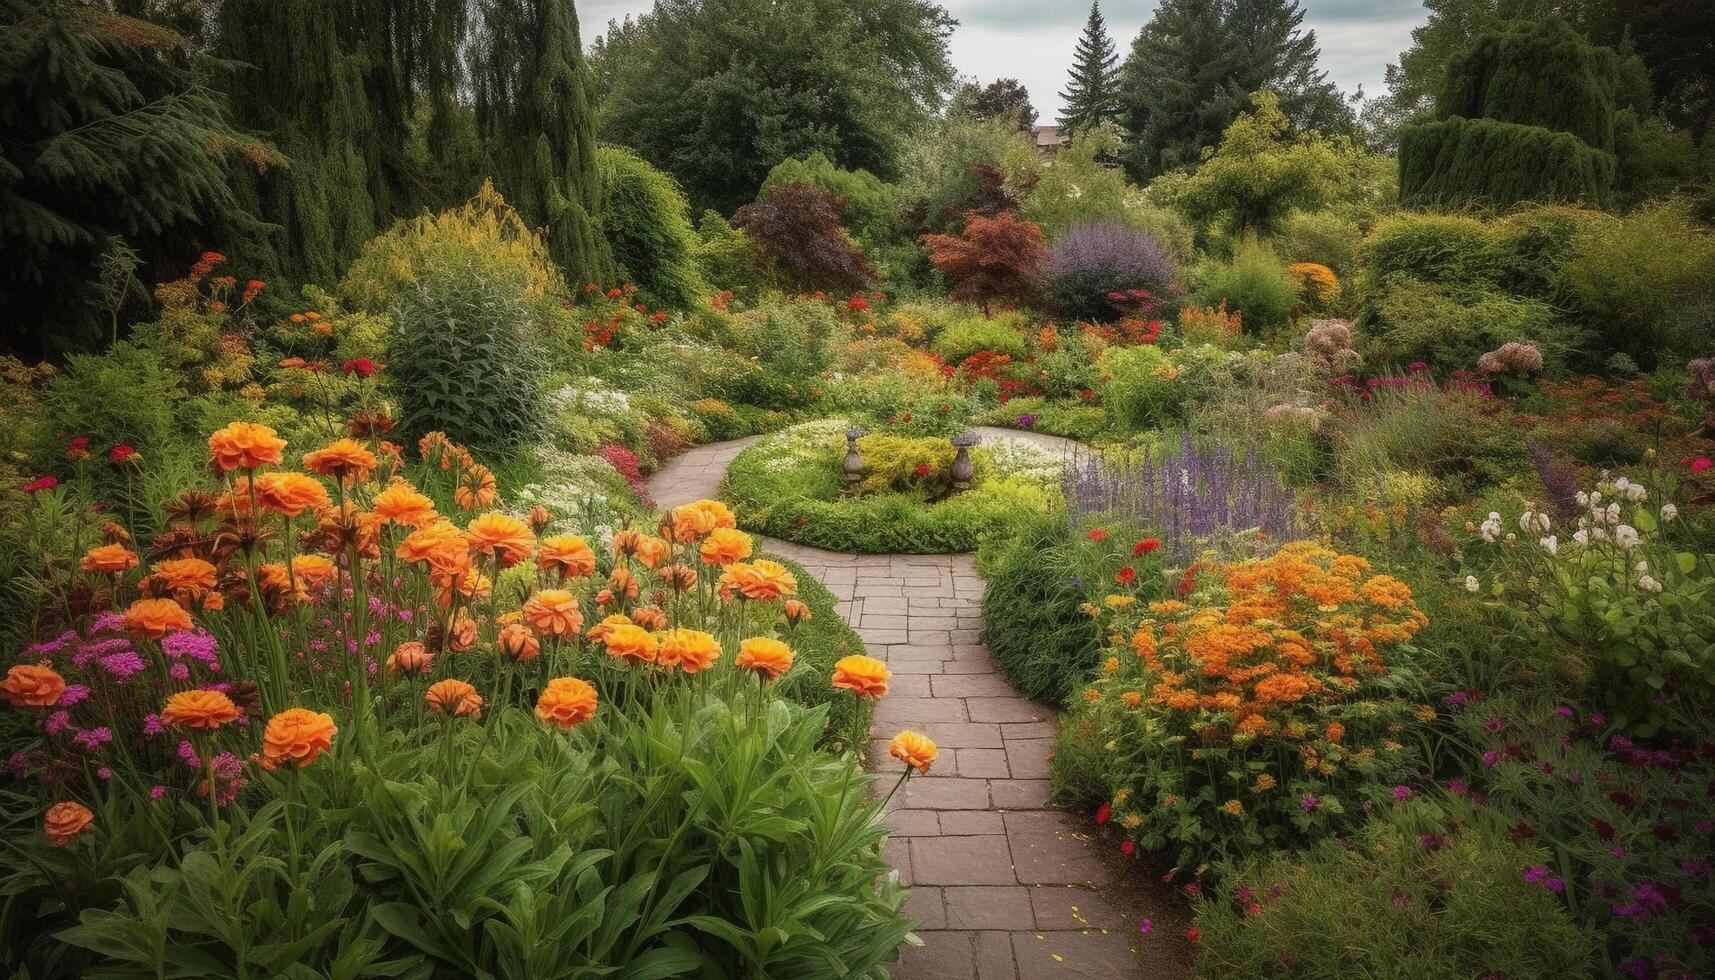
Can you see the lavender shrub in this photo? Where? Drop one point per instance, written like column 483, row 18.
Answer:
column 1090, row 261
column 1188, row 496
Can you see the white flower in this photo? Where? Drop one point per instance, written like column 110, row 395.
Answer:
column 1636, row 492
column 1669, row 512
column 1532, row 522
column 1622, row 484
column 1582, row 537
column 1582, row 498
column 1648, row 584
column 1471, row 583
column 1641, row 567
column 1626, row 536
column 1491, row 529
column 1550, row 544
column 1600, row 534
column 1595, row 496
column 1613, row 513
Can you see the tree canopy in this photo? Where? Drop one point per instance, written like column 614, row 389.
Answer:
column 1092, row 90
column 1003, row 98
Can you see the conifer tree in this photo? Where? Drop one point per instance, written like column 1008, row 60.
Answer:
column 1092, row 94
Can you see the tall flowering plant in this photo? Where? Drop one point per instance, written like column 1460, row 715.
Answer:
column 1260, row 711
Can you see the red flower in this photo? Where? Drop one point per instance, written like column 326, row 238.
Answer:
column 1192, row 934
column 1096, row 534
column 77, row 448
column 922, row 469
column 1103, row 812
column 1126, row 575
column 1145, row 546
column 857, row 304
column 1127, row 848
column 41, row 483
column 1699, row 464
column 591, row 288
column 363, row 367
column 615, row 293
column 121, row 453
column 906, row 417
column 252, row 288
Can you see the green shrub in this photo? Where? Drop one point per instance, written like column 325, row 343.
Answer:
column 1450, row 330
column 463, row 359
column 1323, row 237
column 1388, row 904
column 1540, row 73
column 1041, row 639
column 125, row 395
column 869, row 201
column 1645, row 283
column 1449, row 162
column 1436, row 248
column 1138, row 390
column 1256, row 283
column 647, row 224
column 724, row 254
column 1003, row 334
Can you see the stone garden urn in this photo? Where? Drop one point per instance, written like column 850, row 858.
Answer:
column 963, row 470
column 853, row 465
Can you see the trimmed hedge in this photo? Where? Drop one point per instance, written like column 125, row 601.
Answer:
column 1457, row 161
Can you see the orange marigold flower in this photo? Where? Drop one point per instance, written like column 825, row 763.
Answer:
column 346, row 460
column 188, row 577
column 453, row 697
column 1143, row 642
column 1283, row 688
column 410, row 657
column 796, row 611
column 632, row 644
column 651, row 551
column 245, row 445
column 109, row 559
column 864, row 676
column 32, row 686
column 649, row 617
column 1334, row 732
column 625, row 541
column 290, row 494
column 696, row 520
column 566, row 702
column 1387, row 592
column 401, row 503
column 314, row 571
column 506, row 538
column 598, row 633
column 156, row 618
column 538, row 518
column 200, row 709
column 1132, row 699
column 690, row 650
column 679, row 576
column 517, row 642
column 765, row 655
column 66, row 820
column 476, row 489
column 441, row 545
column 566, row 556
column 297, row 736
column 915, row 750
column 725, row 546
column 554, row 612
column 762, row 580
column 463, row 634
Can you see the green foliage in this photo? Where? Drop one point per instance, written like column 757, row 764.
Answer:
column 1448, row 162
column 1092, row 87
column 1003, row 334
column 1540, row 74
column 718, row 94
column 869, row 202
column 1386, row 904
column 1645, row 283
column 1081, row 187
column 958, row 165
column 647, row 225
column 898, row 464
column 1450, row 330
column 126, row 394
column 1041, row 639
column 1003, row 98
column 1324, row 237
column 724, row 254
column 1140, row 388
column 1256, row 283
column 463, row 357
column 1262, row 171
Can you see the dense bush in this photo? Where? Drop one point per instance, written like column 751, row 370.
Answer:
column 795, row 232
column 1324, row 237
column 647, row 224
column 1450, row 329
column 995, row 258
column 463, row 358
column 1256, row 284
column 1449, row 162
column 867, row 203
column 1645, row 283
column 1090, row 261
column 1001, row 334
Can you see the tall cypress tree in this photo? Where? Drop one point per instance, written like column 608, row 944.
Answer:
column 1092, row 94
column 533, row 117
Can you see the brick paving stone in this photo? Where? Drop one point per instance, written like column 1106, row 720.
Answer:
column 1002, row 886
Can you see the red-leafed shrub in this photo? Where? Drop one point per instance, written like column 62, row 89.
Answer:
column 796, row 231
column 624, row 462
column 996, row 258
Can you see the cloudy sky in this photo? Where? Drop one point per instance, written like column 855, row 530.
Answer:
column 1032, row 40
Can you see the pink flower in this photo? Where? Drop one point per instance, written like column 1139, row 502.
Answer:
column 41, row 483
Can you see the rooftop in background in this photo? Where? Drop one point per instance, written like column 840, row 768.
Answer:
column 1048, row 138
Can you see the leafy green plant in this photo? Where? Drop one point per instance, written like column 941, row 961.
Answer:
column 1002, row 334
column 647, row 223
column 1255, row 283
column 1033, row 618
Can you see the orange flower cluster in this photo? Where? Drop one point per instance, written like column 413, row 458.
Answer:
column 296, row 736
column 566, row 703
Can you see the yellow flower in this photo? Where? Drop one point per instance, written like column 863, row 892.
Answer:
column 1264, row 782
column 1234, row 807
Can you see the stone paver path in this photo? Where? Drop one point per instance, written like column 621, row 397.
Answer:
column 1003, row 886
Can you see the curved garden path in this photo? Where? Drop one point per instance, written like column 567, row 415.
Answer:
column 1003, row 886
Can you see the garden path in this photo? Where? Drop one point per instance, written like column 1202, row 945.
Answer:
column 1003, row 886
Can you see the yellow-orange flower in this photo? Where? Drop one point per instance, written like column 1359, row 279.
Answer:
column 796, row 611
column 346, row 460
column 761, row 580
column 915, row 750
column 442, row 546
column 632, row 644
column 109, row 559
column 401, row 503
column 861, row 675
column 297, row 736
column 765, row 655
column 1387, row 592
column 476, row 489
column 725, row 546
column 313, row 571
column 598, row 633
column 245, row 445
column 288, row 493
column 538, row 517
column 453, row 697
column 463, row 634
column 32, row 686
column 690, row 650
column 199, row 709
column 410, row 658
column 65, row 821
column 188, row 577
column 566, row 556
column 649, row 617
column 554, row 612
column 506, row 538
column 566, row 703
column 517, row 642
column 697, row 519
column 156, row 618
column 651, row 551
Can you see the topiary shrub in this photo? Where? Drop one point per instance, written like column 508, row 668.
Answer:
column 1090, row 261
column 463, row 358
column 647, row 224
column 1449, row 162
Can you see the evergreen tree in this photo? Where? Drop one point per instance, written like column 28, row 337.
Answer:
column 1092, row 94
column 1194, row 67
column 113, row 161
column 534, row 122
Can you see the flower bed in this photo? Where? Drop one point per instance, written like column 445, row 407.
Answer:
column 790, row 486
